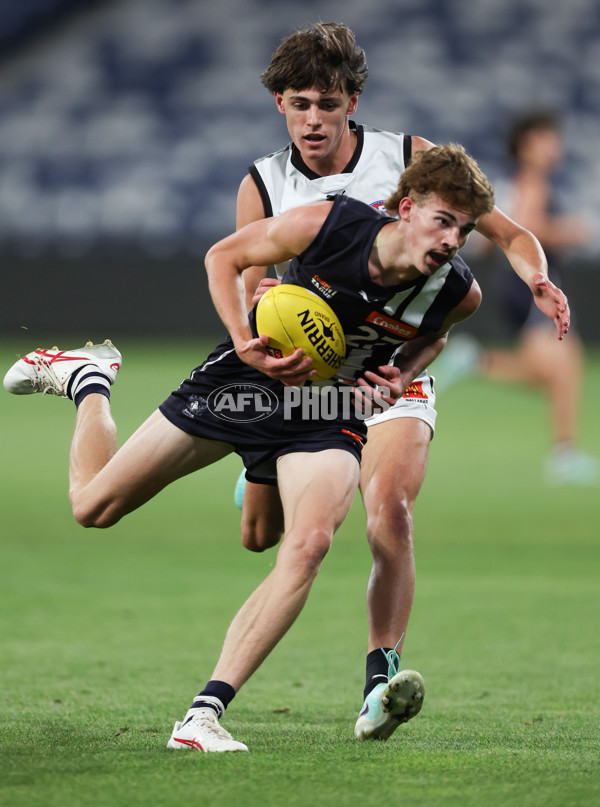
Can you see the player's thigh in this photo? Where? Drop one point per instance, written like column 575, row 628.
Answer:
column 317, row 488
column 394, row 461
column 155, row 455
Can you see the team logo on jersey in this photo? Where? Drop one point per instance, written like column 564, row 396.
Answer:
column 195, row 407
column 400, row 329
column 323, row 287
column 415, row 390
column 379, row 206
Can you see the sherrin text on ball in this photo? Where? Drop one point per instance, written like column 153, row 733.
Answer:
column 294, row 317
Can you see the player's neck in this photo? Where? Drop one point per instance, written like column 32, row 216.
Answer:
column 388, row 262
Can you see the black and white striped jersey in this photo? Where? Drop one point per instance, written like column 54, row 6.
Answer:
column 376, row 319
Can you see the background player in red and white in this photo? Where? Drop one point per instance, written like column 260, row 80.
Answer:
column 316, row 76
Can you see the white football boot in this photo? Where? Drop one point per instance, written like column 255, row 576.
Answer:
column 203, row 732
column 49, row 371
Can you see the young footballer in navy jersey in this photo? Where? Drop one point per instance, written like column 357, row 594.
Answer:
column 404, row 266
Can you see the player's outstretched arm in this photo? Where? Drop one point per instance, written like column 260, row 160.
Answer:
column 527, row 258
column 525, row 255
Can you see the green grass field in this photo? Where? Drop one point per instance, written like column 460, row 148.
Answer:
column 107, row 635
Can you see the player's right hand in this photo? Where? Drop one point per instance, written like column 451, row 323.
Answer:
column 552, row 301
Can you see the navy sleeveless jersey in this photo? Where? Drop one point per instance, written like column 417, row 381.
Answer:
column 376, row 319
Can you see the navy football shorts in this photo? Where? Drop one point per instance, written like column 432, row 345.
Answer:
column 227, row 400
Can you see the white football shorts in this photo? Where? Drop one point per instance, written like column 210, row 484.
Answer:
column 417, row 402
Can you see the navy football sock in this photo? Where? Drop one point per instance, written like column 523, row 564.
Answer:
column 216, row 695
column 85, row 380
column 377, row 668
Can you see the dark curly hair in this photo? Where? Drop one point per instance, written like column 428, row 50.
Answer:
column 325, row 56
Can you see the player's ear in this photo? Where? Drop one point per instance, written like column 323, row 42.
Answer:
column 405, row 208
column 279, row 102
column 352, row 104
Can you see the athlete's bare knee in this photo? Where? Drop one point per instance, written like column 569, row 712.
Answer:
column 95, row 514
column 307, row 550
column 390, row 526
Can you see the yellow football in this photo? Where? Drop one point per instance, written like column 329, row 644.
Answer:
column 292, row 317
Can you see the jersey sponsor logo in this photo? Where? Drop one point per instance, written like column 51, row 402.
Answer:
column 415, row 390
column 323, row 287
column 393, row 325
